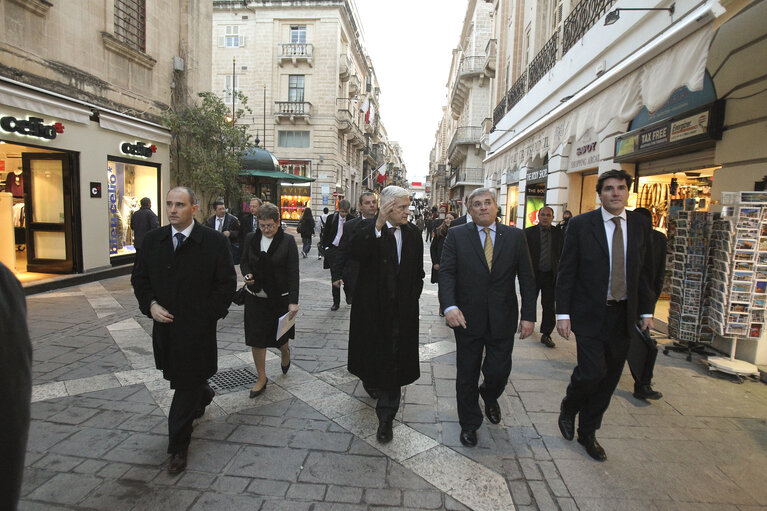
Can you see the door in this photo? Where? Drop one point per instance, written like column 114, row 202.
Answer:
column 48, row 205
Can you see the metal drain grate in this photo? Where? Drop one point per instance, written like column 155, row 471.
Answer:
column 233, row 379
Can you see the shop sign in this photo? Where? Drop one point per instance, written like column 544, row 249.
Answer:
column 32, row 127
column 671, row 136
column 293, row 190
column 114, row 221
column 537, row 174
column 138, row 149
column 689, row 127
column 586, row 156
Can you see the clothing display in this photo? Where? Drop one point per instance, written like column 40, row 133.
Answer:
column 18, row 215
column 14, row 183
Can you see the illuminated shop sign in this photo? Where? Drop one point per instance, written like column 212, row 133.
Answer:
column 138, row 149
column 31, row 127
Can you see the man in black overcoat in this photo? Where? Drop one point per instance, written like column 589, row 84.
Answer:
column 545, row 243
column 330, row 241
column 143, row 221
column 345, row 266
column 249, row 220
column 602, row 289
column 16, row 382
column 228, row 225
column 383, row 332
column 184, row 280
column 480, row 262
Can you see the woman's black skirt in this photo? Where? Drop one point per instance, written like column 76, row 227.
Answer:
column 261, row 323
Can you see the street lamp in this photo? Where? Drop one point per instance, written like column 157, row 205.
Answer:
column 615, row 15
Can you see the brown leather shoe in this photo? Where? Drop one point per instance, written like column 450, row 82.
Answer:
column 177, row 462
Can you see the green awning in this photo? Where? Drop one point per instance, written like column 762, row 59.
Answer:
column 276, row 174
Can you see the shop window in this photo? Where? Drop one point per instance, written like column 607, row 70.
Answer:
column 130, row 23
column 293, row 138
column 127, row 184
column 293, row 200
column 298, row 34
column 297, row 168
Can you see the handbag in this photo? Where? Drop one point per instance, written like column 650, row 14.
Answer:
column 239, row 295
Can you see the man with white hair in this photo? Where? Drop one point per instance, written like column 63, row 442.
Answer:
column 383, row 334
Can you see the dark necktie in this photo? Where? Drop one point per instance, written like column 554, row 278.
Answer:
column 392, row 230
column 617, row 268
column 545, row 262
column 179, row 239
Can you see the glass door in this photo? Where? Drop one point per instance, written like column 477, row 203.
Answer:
column 48, row 198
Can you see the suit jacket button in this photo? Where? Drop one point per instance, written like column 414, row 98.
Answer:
column 170, row 266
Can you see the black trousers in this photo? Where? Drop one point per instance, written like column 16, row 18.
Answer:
column 545, row 281
column 496, row 368
column 186, row 403
column 643, row 374
column 600, row 364
column 388, row 403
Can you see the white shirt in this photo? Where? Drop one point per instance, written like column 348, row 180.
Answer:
column 186, row 232
column 265, row 244
column 482, row 237
column 341, row 221
column 397, row 238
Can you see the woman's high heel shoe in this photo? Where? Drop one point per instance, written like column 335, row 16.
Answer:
column 254, row 393
column 285, row 368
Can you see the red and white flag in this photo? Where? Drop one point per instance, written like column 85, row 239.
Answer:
column 381, row 177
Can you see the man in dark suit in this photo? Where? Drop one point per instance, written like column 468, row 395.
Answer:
column 143, row 221
column 228, row 225
column 480, row 261
column 383, row 332
column 545, row 243
column 602, row 288
column 646, row 345
column 344, row 266
column 249, row 219
column 184, row 280
column 466, row 217
column 16, row 381
column 331, row 239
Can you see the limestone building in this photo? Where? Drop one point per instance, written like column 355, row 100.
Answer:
column 313, row 93
column 83, row 84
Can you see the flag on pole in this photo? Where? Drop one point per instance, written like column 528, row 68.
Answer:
column 381, row 177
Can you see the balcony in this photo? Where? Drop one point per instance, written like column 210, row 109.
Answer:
column 544, row 61
column 356, row 137
column 581, row 19
column 491, row 52
column 467, row 177
column 292, row 110
column 463, row 138
column 354, row 84
column 295, row 53
column 344, row 118
column 468, row 69
column 344, row 67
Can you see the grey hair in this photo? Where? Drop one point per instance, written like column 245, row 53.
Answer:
column 392, row 192
column 189, row 191
column 481, row 191
column 269, row 211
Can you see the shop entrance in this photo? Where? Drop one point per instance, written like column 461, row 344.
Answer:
column 43, row 190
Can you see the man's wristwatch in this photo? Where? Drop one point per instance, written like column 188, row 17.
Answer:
column 152, row 303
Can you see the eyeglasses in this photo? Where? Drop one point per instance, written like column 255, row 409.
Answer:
column 265, row 227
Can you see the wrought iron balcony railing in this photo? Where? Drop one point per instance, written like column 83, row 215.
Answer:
column 516, row 92
column 581, row 19
column 544, row 61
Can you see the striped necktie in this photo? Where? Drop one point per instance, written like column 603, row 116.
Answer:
column 488, row 248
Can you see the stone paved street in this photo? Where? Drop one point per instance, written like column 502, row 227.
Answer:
column 99, row 431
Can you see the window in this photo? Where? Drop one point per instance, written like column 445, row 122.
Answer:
column 233, row 37
column 296, row 88
column 232, row 86
column 130, row 23
column 298, row 33
column 293, row 139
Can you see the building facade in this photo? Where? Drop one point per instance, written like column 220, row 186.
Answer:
column 313, row 94
column 468, row 100
column 671, row 95
column 82, row 91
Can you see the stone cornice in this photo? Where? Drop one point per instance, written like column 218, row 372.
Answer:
column 113, row 44
column 39, row 7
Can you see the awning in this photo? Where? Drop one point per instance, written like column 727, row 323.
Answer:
column 276, row 174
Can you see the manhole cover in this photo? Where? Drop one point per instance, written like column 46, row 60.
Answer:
column 233, row 379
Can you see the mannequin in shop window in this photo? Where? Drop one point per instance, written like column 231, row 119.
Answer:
column 15, row 183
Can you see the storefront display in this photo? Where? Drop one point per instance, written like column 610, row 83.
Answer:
column 127, row 184
column 293, row 200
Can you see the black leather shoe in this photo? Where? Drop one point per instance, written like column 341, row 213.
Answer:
column 469, row 437
column 546, row 340
column 177, row 463
column 334, row 307
column 646, row 392
column 285, row 368
column 493, row 412
column 384, row 433
column 254, row 393
column 592, row 447
column 566, row 422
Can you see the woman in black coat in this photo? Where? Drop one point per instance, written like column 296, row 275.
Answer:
column 306, row 230
column 436, row 249
column 269, row 264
